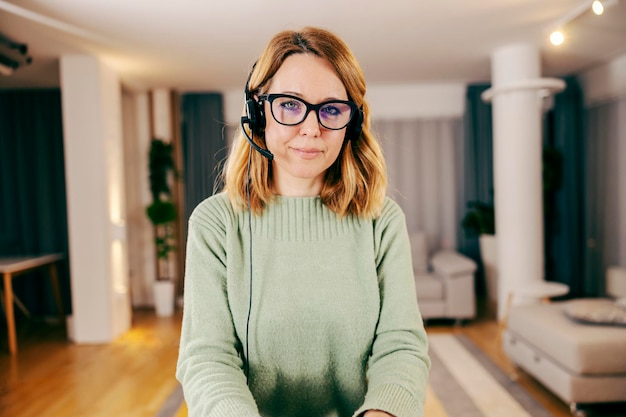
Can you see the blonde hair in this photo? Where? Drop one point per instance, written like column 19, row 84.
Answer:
column 356, row 183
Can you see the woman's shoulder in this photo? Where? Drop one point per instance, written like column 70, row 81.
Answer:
column 391, row 209
column 217, row 207
column 391, row 216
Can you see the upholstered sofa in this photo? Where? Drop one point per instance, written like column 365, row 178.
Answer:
column 444, row 282
column 576, row 348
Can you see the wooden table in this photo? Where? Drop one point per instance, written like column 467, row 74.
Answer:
column 10, row 267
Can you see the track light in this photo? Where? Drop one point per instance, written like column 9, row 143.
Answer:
column 557, row 38
column 597, row 7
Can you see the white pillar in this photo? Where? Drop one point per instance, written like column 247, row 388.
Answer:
column 94, row 172
column 517, row 93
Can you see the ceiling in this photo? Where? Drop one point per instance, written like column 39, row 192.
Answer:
column 207, row 45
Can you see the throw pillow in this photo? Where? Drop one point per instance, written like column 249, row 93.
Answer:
column 595, row 311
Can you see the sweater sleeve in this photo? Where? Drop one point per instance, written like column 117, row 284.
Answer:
column 209, row 366
column 399, row 364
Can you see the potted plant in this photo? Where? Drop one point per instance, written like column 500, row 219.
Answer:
column 162, row 214
column 480, row 221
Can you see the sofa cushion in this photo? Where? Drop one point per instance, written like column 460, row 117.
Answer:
column 582, row 349
column 427, row 286
column 596, row 311
column 419, row 252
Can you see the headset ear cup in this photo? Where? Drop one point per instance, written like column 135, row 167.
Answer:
column 355, row 127
column 256, row 116
column 260, row 116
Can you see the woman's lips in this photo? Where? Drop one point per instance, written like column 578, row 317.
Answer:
column 306, row 153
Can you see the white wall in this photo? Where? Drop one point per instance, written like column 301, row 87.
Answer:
column 408, row 101
column 605, row 81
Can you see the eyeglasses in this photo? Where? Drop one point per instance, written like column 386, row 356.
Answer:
column 290, row 111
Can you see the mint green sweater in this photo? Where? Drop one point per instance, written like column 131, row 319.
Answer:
column 334, row 329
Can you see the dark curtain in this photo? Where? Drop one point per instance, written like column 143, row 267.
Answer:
column 33, row 218
column 603, row 142
column 563, row 205
column 477, row 166
column 204, row 147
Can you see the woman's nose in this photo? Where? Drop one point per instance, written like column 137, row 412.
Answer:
column 310, row 126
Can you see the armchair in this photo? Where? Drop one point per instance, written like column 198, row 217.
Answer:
column 444, row 284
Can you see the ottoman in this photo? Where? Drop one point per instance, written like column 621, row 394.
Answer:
column 579, row 362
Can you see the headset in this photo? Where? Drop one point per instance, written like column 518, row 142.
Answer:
column 255, row 119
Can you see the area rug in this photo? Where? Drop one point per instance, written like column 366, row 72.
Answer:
column 464, row 382
column 468, row 384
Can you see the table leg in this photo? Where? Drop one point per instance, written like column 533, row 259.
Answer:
column 57, row 292
column 21, row 305
column 505, row 316
column 8, row 307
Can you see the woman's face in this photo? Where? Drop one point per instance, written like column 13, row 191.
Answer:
column 302, row 153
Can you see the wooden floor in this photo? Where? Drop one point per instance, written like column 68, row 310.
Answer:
column 133, row 376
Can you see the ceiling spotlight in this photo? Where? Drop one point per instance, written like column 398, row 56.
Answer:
column 597, row 7
column 557, row 38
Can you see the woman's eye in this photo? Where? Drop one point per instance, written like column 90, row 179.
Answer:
column 291, row 105
column 331, row 110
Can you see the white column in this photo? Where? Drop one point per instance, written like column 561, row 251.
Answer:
column 94, row 173
column 517, row 93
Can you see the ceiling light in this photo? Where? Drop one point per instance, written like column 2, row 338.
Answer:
column 597, row 7
column 557, row 38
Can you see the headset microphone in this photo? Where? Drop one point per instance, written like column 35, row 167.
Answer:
column 246, row 120
column 254, row 118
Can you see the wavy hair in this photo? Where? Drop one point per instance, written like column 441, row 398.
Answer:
column 356, row 182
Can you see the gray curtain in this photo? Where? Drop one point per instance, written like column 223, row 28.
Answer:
column 605, row 192
column 424, row 170
column 33, row 218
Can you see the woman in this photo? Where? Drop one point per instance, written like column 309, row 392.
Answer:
column 299, row 292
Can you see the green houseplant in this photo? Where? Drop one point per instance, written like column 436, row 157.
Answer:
column 162, row 211
column 162, row 214
column 479, row 219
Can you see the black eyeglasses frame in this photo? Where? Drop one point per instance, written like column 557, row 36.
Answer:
column 309, row 107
